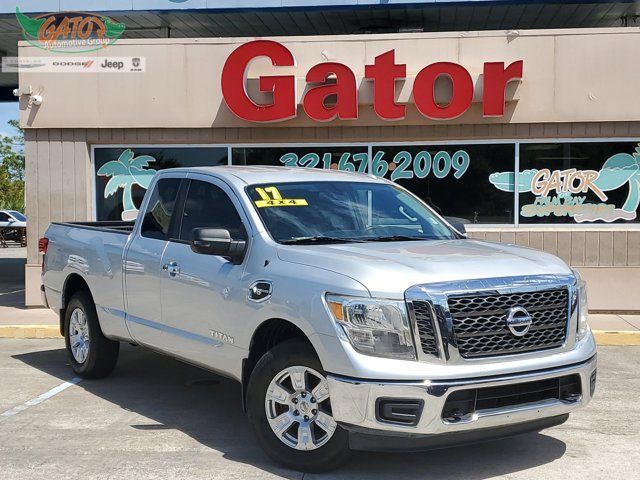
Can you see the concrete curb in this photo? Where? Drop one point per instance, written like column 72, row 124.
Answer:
column 617, row 337
column 30, row 331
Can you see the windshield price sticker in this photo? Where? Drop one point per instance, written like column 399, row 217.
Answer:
column 271, row 197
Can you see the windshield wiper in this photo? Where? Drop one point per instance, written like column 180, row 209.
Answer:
column 395, row 238
column 320, row 239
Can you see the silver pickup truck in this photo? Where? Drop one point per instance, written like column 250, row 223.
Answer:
column 353, row 315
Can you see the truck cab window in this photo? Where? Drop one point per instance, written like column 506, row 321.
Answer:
column 208, row 206
column 157, row 217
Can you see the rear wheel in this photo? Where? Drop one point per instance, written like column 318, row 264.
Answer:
column 90, row 353
column 289, row 408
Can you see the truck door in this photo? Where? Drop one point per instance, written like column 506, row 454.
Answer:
column 202, row 295
column 143, row 264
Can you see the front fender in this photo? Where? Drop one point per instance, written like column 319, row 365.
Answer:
column 298, row 298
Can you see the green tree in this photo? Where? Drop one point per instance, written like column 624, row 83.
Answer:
column 12, row 169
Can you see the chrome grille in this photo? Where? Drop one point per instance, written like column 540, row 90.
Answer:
column 421, row 312
column 480, row 329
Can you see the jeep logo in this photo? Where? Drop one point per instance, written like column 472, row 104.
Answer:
column 110, row 64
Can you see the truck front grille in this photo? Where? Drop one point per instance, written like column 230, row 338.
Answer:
column 460, row 405
column 480, row 329
column 426, row 330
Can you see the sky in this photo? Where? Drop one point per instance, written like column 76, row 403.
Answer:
column 8, row 111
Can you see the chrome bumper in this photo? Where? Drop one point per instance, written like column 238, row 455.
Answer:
column 353, row 401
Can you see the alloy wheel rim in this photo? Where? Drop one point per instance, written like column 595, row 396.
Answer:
column 298, row 408
column 79, row 335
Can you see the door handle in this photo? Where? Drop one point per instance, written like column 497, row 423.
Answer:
column 171, row 268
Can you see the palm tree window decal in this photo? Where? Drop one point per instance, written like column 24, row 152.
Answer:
column 125, row 172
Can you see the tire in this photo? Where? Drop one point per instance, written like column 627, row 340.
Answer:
column 295, row 357
column 96, row 356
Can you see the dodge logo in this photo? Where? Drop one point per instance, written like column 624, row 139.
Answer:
column 518, row 321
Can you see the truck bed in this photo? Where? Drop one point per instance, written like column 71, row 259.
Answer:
column 107, row 226
column 94, row 251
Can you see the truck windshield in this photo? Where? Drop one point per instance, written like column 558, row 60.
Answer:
column 344, row 212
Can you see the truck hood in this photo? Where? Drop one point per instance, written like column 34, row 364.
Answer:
column 387, row 269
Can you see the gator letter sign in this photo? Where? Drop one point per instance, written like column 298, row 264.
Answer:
column 69, row 32
column 336, row 82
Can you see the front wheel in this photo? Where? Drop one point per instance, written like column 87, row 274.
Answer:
column 289, row 408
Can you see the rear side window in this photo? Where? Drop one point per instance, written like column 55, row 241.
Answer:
column 208, row 206
column 157, row 218
column 4, row 217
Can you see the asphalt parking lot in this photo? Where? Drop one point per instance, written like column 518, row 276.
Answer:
column 158, row 418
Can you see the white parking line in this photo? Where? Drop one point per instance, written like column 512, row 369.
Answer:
column 39, row 399
column 12, row 292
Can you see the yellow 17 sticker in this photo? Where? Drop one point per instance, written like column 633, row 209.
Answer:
column 276, row 200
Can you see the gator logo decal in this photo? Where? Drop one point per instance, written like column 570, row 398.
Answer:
column 561, row 193
column 69, row 32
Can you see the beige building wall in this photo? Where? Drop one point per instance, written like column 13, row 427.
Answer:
column 576, row 84
column 60, row 177
column 577, row 75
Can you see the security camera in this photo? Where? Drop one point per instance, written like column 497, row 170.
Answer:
column 16, row 92
column 36, row 100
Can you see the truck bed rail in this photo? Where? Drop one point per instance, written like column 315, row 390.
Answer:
column 109, row 226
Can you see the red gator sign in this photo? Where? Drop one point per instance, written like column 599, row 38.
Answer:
column 384, row 72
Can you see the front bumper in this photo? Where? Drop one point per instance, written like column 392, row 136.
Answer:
column 354, row 402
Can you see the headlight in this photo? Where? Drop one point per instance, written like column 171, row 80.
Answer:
column 583, row 309
column 374, row 326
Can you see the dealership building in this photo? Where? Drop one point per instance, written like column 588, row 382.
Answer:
column 520, row 119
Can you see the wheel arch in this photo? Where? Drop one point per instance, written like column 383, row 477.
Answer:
column 72, row 284
column 269, row 333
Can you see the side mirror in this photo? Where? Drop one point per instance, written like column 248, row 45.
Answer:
column 457, row 224
column 217, row 241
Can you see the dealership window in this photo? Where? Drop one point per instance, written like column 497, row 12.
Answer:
column 453, row 179
column 123, row 174
column 350, row 158
column 579, row 182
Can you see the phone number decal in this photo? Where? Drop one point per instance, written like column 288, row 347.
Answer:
column 403, row 165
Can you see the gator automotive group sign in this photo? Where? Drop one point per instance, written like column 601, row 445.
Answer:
column 331, row 90
column 69, row 32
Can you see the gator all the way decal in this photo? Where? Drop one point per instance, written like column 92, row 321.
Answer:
column 563, row 192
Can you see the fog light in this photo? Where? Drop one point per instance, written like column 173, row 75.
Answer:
column 399, row 411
